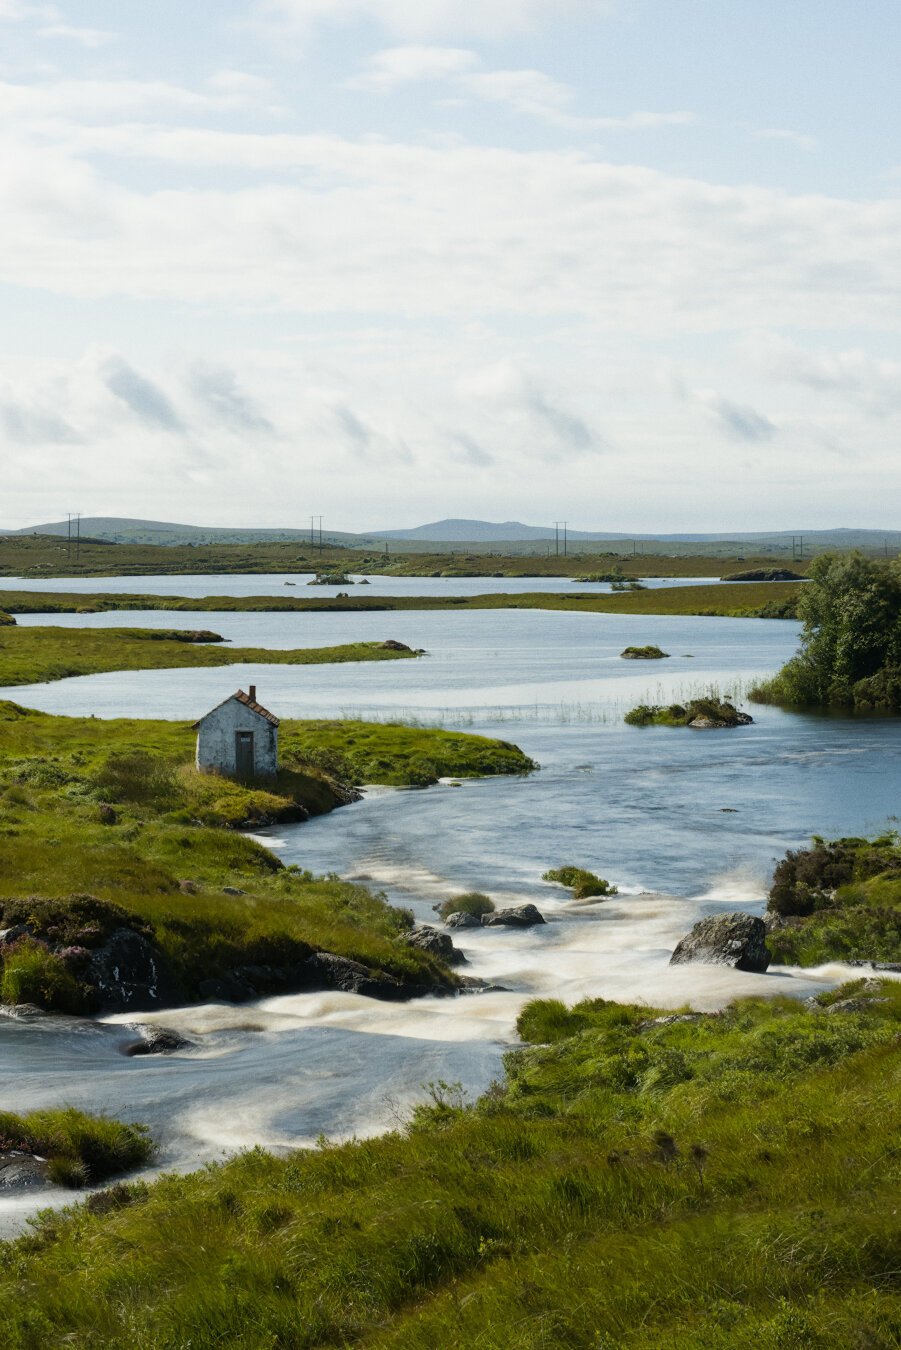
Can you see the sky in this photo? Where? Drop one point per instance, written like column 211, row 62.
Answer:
column 635, row 264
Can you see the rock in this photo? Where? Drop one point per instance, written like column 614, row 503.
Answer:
column 766, row 574
column 392, row 646
column 154, row 1040
column 18, row 930
column 737, row 940
column 350, row 977
column 460, row 919
column 107, row 814
column 232, row 890
column 188, row 887
column 893, row 967
column 125, row 971
column 22, row 1011
column 521, row 916
column 21, row 1171
column 853, row 1005
column 439, row 944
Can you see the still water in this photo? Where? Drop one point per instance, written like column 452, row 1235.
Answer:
column 686, row 823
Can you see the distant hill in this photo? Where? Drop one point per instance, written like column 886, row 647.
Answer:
column 472, row 536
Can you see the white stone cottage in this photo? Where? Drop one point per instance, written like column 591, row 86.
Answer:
column 238, row 738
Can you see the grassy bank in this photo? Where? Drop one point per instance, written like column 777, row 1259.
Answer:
column 747, row 600
column 838, row 901
column 48, row 555
column 34, row 655
column 717, row 1182
column 79, row 1149
column 106, row 826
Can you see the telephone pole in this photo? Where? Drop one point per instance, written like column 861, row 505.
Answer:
column 557, row 526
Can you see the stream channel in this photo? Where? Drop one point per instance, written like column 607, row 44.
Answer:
column 686, row 823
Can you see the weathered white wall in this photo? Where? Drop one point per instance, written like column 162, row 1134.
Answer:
column 216, row 740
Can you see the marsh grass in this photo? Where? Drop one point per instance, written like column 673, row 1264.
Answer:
column 81, row 1148
column 710, row 1183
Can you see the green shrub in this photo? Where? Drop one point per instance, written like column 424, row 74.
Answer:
column 473, row 902
column 136, row 776
column 33, row 974
column 583, row 884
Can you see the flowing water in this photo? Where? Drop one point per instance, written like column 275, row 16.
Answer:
column 686, row 823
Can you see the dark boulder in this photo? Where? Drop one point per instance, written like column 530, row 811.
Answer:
column 460, row 919
column 126, row 972
column 350, row 977
column 521, row 916
column 392, row 645
column 438, row 944
column 737, row 940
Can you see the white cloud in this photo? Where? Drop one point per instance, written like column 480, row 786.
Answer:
column 739, row 421
column 423, row 19
column 86, row 37
column 18, row 11
column 395, row 66
column 520, row 399
column 853, row 376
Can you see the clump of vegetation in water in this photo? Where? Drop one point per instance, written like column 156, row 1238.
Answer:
column 639, row 1181
column 473, row 902
column 649, row 653
column 632, row 585
column 331, row 579
column 582, row 883
column 80, row 1149
column 6, row 620
column 850, row 653
column 838, row 900
column 699, row 712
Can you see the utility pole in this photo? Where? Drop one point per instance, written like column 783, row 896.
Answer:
column 77, row 537
column 68, row 535
column 557, row 524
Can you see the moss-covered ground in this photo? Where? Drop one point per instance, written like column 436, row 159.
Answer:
column 34, row 655
column 106, row 823
column 838, row 901
column 772, row 599
column 725, row 1182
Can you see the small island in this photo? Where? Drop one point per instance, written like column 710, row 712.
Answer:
column 701, row 713
column 649, row 653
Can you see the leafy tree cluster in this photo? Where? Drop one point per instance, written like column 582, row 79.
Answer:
column 851, row 640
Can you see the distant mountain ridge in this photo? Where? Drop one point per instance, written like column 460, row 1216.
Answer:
column 483, row 533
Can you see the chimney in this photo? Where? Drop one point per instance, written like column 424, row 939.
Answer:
column 252, row 692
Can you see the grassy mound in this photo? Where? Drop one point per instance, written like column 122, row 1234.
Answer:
column 81, row 1149
column 583, row 884
column 473, row 902
column 717, row 1181
column 838, row 901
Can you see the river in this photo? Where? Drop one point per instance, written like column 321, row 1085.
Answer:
column 686, row 823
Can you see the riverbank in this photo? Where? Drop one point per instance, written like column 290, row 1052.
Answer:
column 767, row 599
column 125, row 883
column 642, row 1179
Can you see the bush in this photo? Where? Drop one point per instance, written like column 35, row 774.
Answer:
column 136, row 776
column 583, row 884
column 473, row 902
column 33, row 974
column 806, row 879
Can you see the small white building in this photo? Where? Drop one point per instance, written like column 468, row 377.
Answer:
column 238, row 738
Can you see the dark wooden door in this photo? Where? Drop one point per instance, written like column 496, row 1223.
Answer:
column 244, row 754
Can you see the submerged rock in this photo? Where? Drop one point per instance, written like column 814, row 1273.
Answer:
column 737, row 940
column 153, row 1040
column 520, row 916
column 439, row 944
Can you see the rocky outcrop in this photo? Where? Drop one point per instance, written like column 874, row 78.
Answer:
column 350, row 977
column 765, row 574
column 439, row 944
column 737, row 940
column 127, row 972
column 154, row 1040
column 520, row 916
column 734, row 719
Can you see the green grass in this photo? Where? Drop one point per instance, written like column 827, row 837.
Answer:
column 649, row 653
column 839, row 901
column 717, row 1183
column 583, row 884
column 105, row 824
column 771, row 599
column 34, row 655
column 471, row 902
column 80, row 1148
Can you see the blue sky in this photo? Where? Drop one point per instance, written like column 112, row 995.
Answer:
column 633, row 263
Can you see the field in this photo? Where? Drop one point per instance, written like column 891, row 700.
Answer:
column 721, row 1182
